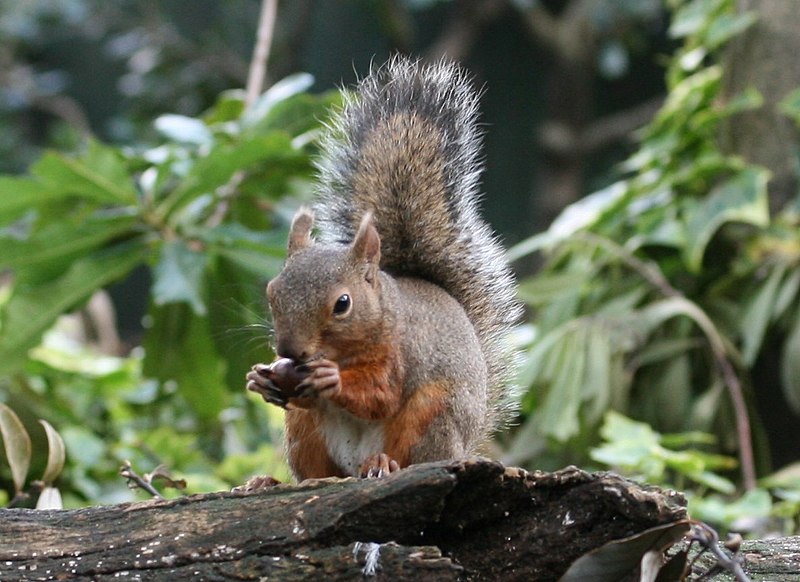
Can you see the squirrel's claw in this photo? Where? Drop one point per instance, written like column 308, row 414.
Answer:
column 376, row 466
column 260, row 384
column 323, row 379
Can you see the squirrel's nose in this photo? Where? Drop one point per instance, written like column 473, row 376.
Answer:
column 286, row 349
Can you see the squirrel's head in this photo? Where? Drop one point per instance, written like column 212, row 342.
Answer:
column 326, row 300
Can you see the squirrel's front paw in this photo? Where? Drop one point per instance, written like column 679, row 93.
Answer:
column 323, row 379
column 378, row 465
column 277, row 382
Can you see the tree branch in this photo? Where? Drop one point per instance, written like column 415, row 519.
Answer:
column 258, row 66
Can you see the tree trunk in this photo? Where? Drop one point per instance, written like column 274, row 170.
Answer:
column 765, row 57
column 439, row 521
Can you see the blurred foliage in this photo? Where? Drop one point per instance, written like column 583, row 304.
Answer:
column 649, row 281
column 147, row 57
column 681, row 461
column 202, row 211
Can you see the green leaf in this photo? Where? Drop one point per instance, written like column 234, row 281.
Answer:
column 790, row 105
column 17, row 445
column 237, row 307
column 32, row 310
column 180, row 348
column 229, row 107
column 790, row 367
column 558, row 415
column 714, row 481
column 261, row 253
column 299, row 116
column 178, row 276
column 659, row 350
column 56, row 453
column 532, row 369
column 18, row 194
column 628, row 442
column 671, row 392
column 99, row 174
column 692, row 16
column 682, row 439
column 548, row 286
column 280, row 91
column 742, row 198
column 786, row 294
column 787, row 477
column 57, row 244
column 587, row 211
column 755, row 504
column 597, row 381
column 726, row 26
column 216, row 169
column 759, row 313
column 183, row 129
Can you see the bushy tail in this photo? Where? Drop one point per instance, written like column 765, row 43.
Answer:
column 407, row 146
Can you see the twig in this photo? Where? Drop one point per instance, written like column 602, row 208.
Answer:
column 255, row 84
column 742, row 420
column 706, row 536
column 258, row 66
column 135, row 480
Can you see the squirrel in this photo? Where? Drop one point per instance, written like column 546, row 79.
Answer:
column 392, row 325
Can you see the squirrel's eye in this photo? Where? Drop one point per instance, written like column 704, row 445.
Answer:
column 342, row 305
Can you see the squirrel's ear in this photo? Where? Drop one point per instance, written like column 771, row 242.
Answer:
column 366, row 247
column 300, row 233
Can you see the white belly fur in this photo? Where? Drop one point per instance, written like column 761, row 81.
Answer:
column 350, row 439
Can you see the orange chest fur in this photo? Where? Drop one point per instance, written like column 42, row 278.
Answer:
column 342, row 432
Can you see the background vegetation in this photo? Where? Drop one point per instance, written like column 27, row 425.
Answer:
column 666, row 289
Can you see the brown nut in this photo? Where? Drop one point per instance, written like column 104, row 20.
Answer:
column 284, row 375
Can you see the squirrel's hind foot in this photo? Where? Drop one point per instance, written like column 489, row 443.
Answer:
column 378, row 465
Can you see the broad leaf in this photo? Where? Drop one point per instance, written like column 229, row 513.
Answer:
column 790, row 105
column 57, row 244
column 726, row 26
column 620, row 559
column 691, row 17
column 216, row 169
column 628, row 441
column 549, row 286
column 790, row 367
column 280, row 91
column 17, row 445
column 184, row 129
column 742, row 198
column 558, row 415
column 180, row 348
column 31, row 311
column 261, row 253
column 178, row 276
column 99, row 174
column 758, row 314
column 56, row 454
column 18, row 194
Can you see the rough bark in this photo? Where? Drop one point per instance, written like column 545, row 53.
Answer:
column 445, row 521
column 765, row 57
column 763, row 560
